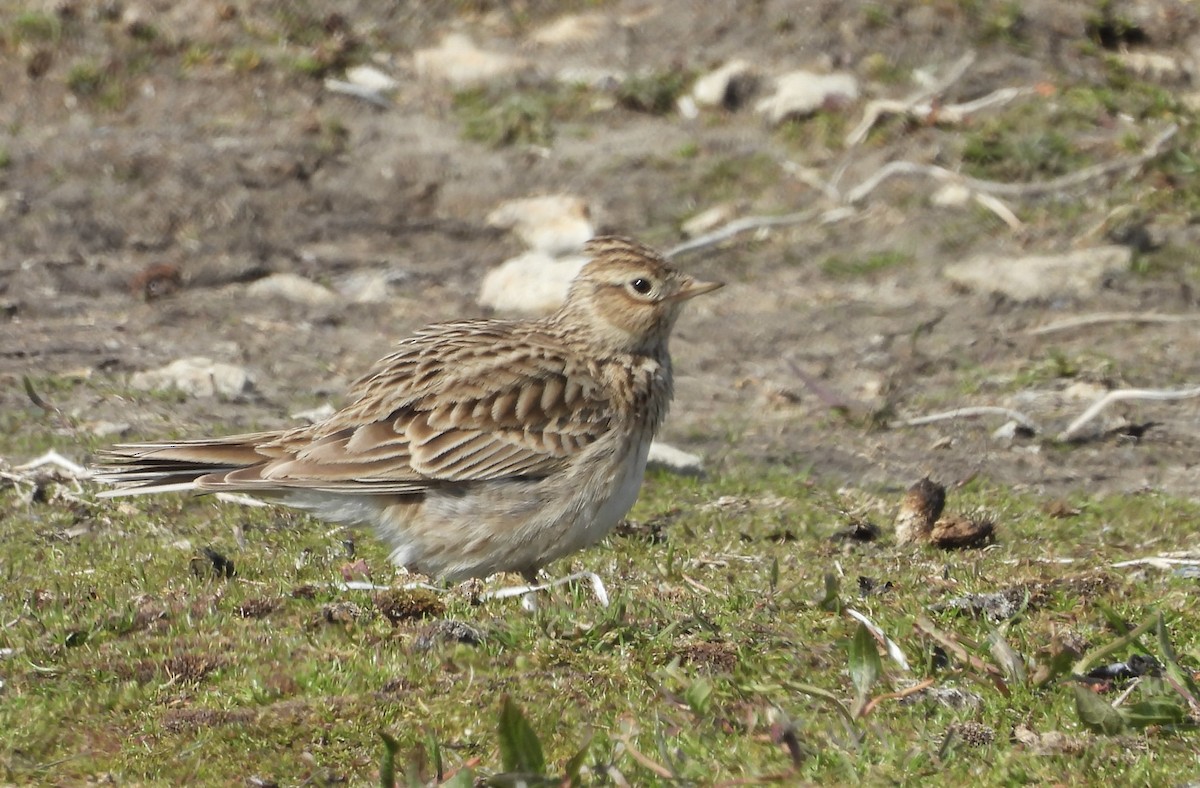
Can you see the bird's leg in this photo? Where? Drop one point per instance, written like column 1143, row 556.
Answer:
column 526, row 592
column 529, row 601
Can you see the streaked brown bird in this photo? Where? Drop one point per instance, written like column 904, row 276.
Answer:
column 478, row 446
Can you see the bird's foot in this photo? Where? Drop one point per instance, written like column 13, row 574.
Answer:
column 528, row 592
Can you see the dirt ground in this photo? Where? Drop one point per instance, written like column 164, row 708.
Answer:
column 199, row 135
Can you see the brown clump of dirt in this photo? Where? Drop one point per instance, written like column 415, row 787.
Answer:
column 408, row 604
column 959, row 532
column 260, row 607
column 186, row 668
column 447, row 631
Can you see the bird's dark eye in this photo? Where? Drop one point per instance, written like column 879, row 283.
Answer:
column 641, row 285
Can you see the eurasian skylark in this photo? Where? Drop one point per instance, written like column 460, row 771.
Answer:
column 478, row 446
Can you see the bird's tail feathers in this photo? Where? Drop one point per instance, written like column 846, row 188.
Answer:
column 145, row 468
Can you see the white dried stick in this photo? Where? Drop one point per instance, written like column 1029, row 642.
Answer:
column 967, row 413
column 1122, row 395
column 1100, row 318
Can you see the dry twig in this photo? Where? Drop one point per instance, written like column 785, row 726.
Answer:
column 917, row 104
column 371, row 95
column 1157, row 562
column 898, row 695
column 1122, row 395
column 929, row 110
column 645, row 761
column 968, row 413
column 986, row 193
column 740, row 226
column 1100, row 318
column 72, row 469
column 1030, row 189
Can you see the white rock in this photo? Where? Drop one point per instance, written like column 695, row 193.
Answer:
column 462, row 64
column 713, row 89
column 686, row 106
column 533, row 283
column 291, row 287
column 196, row 377
column 571, row 29
column 370, row 78
column 556, row 224
column 1078, row 273
column 802, row 93
column 709, row 219
column 1006, row 431
column 952, row 195
column 668, row 458
column 365, row 287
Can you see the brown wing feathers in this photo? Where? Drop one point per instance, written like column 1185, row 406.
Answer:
column 445, row 407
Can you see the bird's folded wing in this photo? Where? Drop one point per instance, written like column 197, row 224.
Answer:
column 462, row 409
column 523, row 414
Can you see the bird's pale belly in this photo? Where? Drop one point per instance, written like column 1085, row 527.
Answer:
column 507, row 526
column 611, row 511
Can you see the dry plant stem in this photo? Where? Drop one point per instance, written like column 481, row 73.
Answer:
column 370, row 95
column 740, row 226
column 986, row 193
column 997, row 206
column 1158, row 562
column 953, row 75
column 364, row 585
column 71, row 468
column 995, row 188
column 928, row 110
column 15, row 479
column 967, row 413
column 597, row 586
column 898, row 695
column 1101, row 318
column 644, row 761
column 1121, row 395
column 911, row 104
column 809, row 177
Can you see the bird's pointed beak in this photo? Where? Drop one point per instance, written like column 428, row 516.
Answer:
column 694, row 287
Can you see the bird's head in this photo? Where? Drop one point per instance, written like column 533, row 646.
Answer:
column 627, row 297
